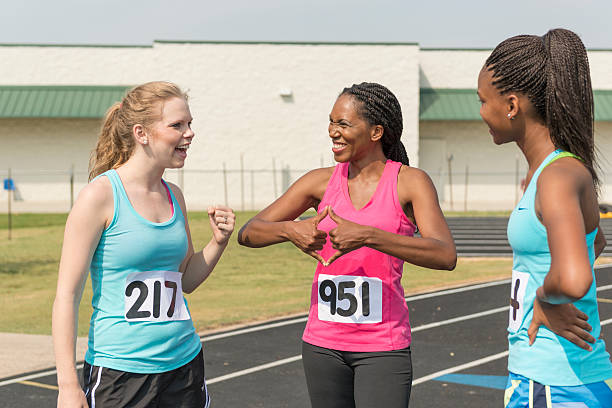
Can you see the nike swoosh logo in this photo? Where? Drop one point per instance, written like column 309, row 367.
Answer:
column 522, row 208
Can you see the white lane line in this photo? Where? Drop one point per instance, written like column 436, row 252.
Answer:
column 429, row 377
column 457, row 290
column 296, row 358
column 460, row 319
column 305, row 318
column 253, row 369
column 408, row 298
column 33, row 376
column 461, row 367
column 299, row 357
column 471, row 364
column 253, row 329
column 603, row 266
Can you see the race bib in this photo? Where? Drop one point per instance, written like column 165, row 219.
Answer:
column 517, row 295
column 349, row 299
column 154, row 296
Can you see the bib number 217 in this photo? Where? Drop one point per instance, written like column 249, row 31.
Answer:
column 349, row 299
column 154, row 296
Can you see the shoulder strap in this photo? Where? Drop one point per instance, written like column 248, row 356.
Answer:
column 560, row 156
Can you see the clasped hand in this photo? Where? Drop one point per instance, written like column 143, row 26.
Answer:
column 346, row 237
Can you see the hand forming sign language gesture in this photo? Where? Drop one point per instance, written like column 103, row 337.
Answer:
column 307, row 237
column 346, row 237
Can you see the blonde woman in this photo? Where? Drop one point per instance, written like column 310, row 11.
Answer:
column 129, row 228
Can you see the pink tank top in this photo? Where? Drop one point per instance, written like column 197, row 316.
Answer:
column 357, row 303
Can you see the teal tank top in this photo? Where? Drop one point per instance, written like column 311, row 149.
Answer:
column 130, row 328
column 551, row 360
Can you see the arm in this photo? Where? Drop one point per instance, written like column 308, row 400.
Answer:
column 197, row 266
column 434, row 249
column 559, row 203
column 84, row 227
column 276, row 224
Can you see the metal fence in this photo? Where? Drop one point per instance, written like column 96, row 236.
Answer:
column 253, row 188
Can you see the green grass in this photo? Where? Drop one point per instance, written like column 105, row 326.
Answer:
column 27, row 220
column 247, row 284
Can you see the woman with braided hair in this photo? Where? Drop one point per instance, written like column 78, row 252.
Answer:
column 356, row 345
column 536, row 92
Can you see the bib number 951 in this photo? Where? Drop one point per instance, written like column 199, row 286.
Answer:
column 155, row 296
column 349, row 299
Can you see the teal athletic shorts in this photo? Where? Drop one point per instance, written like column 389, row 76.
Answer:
column 521, row 392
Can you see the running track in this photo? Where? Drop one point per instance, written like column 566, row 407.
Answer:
column 458, row 354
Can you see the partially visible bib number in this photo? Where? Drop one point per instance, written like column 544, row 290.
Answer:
column 349, row 299
column 517, row 296
column 155, row 296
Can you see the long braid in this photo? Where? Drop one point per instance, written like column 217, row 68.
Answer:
column 553, row 71
column 380, row 107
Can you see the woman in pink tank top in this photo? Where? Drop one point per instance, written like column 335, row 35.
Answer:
column 356, row 345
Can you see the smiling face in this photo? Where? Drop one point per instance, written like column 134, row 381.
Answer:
column 494, row 108
column 352, row 136
column 170, row 137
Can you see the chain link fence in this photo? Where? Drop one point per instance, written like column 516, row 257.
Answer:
column 252, row 189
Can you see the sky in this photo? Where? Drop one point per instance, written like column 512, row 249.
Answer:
column 430, row 23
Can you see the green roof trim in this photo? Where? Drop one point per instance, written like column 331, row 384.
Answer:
column 58, row 101
column 463, row 104
column 449, row 104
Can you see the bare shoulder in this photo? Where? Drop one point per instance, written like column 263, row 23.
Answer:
column 413, row 176
column 318, row 175
column 565, row 174
column 315, row 181
column 95, row 201
column 98, row 192
column 414, row 184
column 176, row 190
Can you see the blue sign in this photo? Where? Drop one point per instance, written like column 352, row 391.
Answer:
column 9, row 184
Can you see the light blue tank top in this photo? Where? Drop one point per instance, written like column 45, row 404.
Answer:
column 132, row 244
column 551, row 360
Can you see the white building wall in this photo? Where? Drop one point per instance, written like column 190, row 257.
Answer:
column 41, row 154
column 492, row 177
column 235, row 101
column 492, row 169
column 460, row 68
column 239, row 113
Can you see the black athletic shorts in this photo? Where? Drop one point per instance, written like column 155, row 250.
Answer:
column 183, row 387
column 346, row 379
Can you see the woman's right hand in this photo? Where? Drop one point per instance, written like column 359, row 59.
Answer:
column 307, row 237
column 71, row 397
column 564, row 319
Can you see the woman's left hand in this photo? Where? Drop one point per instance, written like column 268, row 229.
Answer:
column 346, row 237
column 565, row 320
column 222, row 221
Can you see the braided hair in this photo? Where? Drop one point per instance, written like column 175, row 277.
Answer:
column 553, row 72
column 378, row 106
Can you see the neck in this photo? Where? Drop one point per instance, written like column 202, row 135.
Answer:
column 371, row 164
column 141, row 170
column 535, row 144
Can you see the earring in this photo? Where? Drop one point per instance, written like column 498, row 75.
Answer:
column 510, row 117
column 145, row 141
